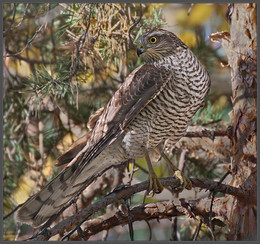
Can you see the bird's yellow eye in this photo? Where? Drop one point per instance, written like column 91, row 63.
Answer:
column 153, row 39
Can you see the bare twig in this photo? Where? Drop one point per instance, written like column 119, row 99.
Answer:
column 150, row 230
column 133, row 26
column 79, row 46
column 212, row 122
column 81, row 234
column 130, row 221
column 12, row 22
column 74, row 229
column 226, row 189
column 21, row 21
column 211, row 205
column 27, row 44
column 196, row 234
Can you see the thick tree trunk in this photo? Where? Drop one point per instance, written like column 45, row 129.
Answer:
column 241, row 48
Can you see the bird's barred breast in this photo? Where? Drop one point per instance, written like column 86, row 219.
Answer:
column 168, row 114
column 155, row 123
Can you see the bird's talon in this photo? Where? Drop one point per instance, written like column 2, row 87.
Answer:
column 184, row 181
column 189, row 184
column 155, row 186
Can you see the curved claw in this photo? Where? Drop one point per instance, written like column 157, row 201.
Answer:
column 155, row 186
column 184, row 181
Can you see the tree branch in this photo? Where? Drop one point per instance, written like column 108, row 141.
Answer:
column 21, row 21
column 79, row 44
column 12, row 22
column 208, row 133
column 128, row 191
column 27, row 44
column 133, row 26
column 159, row 210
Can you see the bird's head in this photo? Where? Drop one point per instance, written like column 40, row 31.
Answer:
column 157, row 44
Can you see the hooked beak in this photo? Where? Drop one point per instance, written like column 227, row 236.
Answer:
column 139, row 51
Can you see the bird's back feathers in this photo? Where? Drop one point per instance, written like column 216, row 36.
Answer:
column 93, row 158
column 155, row 102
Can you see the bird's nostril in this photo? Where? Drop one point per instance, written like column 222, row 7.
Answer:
column 140, row 46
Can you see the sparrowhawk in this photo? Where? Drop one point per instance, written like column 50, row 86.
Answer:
column 149, row 111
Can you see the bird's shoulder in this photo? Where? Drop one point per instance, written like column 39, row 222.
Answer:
column 139, row 88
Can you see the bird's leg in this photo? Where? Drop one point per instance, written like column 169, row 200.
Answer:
column 184, row 181
column 155, row 185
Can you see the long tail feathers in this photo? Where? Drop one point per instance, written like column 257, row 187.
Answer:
column 46, row 203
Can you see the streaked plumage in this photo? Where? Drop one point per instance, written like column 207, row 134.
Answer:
column 153, row 106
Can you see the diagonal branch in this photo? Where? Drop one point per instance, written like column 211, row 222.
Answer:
column 21, row 21
column 133, row 26
column 159, row 210
column 12, row 22
column 27, row 44
column 128, row 191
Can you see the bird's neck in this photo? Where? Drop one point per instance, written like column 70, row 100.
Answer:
column 171, row 62
column 187, row 68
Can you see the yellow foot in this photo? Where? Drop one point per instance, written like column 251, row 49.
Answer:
column 184, row 181
column 155, row 186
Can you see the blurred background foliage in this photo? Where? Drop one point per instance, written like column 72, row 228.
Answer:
column 64, row 61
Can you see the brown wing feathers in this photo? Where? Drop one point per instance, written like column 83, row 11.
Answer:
column 137, row 91
column 78, row 145
column 140, row 88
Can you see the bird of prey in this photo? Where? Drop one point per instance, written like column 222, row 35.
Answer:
column 151, row 109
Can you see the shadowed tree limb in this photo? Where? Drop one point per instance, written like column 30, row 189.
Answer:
column 159, row 210
column 208, row 133
column 126, row 192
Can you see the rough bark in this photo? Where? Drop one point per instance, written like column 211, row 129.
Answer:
column 159, row 210
column 241, row 49
column 238, row 206
column 125, row 193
